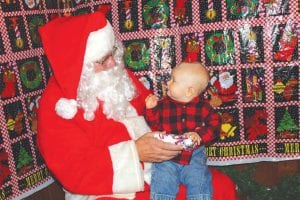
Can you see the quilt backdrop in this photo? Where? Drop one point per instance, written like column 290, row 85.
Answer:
column 249, row 46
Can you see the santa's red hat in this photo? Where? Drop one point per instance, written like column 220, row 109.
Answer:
column 69, row 42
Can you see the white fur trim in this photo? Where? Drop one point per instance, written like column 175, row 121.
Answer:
column 147, row 172
column 137, row 126
column 99, row 44
column 66, row 108
column 128, row 173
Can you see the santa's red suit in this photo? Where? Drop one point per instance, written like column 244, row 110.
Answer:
column 98, row 158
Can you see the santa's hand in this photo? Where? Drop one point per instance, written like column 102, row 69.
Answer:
column 151, row 149
column 151, row 101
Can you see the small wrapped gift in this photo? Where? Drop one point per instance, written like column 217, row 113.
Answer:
column 183, row 140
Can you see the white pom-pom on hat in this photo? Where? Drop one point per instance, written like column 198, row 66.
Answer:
column 66, row 108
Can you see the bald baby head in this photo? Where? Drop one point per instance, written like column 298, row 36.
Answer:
column 193, row 75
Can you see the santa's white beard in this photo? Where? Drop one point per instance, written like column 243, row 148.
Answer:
column 226, row 82
column 112, row 87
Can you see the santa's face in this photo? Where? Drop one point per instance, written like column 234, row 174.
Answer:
column 112, row 87
column 104, row 79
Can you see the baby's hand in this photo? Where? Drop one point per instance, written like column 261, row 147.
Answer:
column 194, row 136
column 151, row 101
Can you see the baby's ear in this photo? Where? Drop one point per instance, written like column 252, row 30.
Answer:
column 190, row 91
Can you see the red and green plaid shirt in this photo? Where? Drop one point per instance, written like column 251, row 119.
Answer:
column 178, row 118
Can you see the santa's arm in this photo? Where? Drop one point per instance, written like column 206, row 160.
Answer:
column 83, row 168
column 85, row 163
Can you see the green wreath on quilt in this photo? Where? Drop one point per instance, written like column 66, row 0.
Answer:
column 31, row 75
column 137, row 56
column 156, row 13
column 219, row 48
column 242, row 8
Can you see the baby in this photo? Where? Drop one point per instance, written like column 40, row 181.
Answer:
column 183, row 112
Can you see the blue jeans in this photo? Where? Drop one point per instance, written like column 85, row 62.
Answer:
column 166, row 177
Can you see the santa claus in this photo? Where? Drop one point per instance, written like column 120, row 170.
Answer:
column 224, row 87
column 91, row 131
